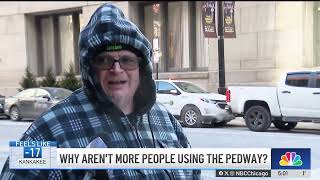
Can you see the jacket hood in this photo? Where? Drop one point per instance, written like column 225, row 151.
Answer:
column 108, row 26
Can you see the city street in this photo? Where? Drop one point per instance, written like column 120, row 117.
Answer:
column 206, row 62
column 233, row 135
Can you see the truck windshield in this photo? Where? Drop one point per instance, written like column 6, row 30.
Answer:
column 189, row 88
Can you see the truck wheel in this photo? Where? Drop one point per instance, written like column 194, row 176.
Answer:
column 286, row 126
column 191, row 116
column 258, row 118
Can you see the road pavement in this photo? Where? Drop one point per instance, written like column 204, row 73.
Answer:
column 233, row 135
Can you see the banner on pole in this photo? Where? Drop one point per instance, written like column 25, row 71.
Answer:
column 228, row 14
column 208, row 19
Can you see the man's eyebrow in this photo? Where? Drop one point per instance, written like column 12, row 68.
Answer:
column 128, row 55
column 105, row 55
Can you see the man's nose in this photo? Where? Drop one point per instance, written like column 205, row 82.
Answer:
column 116, row 67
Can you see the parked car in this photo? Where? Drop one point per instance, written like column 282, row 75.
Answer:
column 30, row 103
column 295, row 99
column 2, row 98
column 192, row 105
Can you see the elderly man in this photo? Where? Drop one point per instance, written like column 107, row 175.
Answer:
column 116, row 107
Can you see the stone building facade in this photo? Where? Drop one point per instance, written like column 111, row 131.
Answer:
column 270, row 38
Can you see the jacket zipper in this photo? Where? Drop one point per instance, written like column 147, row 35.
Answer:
column 141, row 145
column 137, row 135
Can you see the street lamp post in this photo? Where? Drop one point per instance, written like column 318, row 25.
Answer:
column 157, row 71
column 222, row 84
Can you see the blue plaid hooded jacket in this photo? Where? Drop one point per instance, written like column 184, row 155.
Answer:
column 89, row 114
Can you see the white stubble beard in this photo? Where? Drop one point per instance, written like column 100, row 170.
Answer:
column 123, row 103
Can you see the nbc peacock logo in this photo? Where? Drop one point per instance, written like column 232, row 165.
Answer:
column 290, row 159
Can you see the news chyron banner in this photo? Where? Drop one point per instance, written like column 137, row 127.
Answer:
column 32, row 154
column 227, row 162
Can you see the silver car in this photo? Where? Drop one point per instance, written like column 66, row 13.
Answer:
column 2, row 98
column 31, row 103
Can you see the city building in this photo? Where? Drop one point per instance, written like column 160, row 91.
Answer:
column 271, row 36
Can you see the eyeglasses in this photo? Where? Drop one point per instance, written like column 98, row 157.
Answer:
column 125, row 62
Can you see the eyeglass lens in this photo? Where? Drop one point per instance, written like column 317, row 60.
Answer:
column 127, row 63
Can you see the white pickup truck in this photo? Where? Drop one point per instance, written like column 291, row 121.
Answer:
column 295, row 99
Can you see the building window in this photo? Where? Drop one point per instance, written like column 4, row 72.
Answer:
column 57, row 42
column 202, row 43
column 66, row 40
column 167, row 26
column 154, row 24
column 175, row 29
column 46, row 46
column 178, row 35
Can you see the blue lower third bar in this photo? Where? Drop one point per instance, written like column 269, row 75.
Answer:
column 33, row 144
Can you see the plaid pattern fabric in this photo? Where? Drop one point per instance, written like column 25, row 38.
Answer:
column 89, row 114
column 74, row 122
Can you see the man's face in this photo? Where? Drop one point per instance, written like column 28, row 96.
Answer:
column 119, row 80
